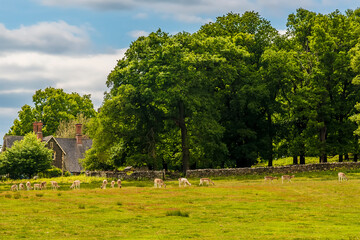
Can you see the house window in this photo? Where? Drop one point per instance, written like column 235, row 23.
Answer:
column 51, row 145
column 54, row 155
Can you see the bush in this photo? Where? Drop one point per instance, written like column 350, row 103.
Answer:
column 52, row 172
column 177, row 213
column 26, row 158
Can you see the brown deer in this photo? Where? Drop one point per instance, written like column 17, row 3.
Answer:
column 206, row 180
column 287, row 177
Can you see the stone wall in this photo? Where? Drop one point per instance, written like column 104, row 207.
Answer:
column 271, row 170
column 131, row 175
column 149, row 175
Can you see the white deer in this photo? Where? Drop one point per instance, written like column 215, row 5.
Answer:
column 28, row 186
column 112, row 183
column 270, row 178
column 75, row 185
column 54, row 185
column 14, row 187
column 287, row 177
column 183, row 181
column 159, row 182
column 342, row 176
column 103, row 186
column 119, row 183
column 37, row 186
column 21, row 186
column 206, row 180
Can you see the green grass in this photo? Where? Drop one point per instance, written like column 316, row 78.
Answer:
column 289, row 161
column 314, row 206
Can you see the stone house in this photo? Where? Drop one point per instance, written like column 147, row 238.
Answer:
column 66, row 151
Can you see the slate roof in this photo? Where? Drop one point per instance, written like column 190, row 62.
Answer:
column 73, row 151
column 9, row 141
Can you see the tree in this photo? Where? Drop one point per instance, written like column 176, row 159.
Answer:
column 323, row 44
column 24, row 123
column 247, row 112
column 26, row 158
column 66, row 128
column 51, row 107
column 164, row 91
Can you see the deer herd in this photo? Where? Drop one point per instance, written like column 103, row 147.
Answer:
column 158, row 183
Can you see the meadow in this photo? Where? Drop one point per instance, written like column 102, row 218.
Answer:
column 313, row 206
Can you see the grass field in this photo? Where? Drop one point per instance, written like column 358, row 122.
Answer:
column 313, row 206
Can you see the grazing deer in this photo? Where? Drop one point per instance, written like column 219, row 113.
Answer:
column 75, row 185
column 14, row 187
column 28, row 186
column 21, row 186
column 119, row 183
column 183, row 181
column 112, row 184
column 206, row 180
column 54, row 185
column 287, row 177
column 37, row 186
column 159, row 182
column 103, row 186
column 43, row 185
column 342, row 176
column 270, row 178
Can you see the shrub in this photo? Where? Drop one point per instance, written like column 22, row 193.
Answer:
column 50, row 173
column 26, row 158
column 177, row 213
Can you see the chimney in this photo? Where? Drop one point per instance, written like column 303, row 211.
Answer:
column 78, row 133
column 35, row 127
column 39, row 133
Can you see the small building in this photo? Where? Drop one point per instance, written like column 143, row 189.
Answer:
column 67, row 152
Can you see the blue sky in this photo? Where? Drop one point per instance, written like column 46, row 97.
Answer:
column 74, row 44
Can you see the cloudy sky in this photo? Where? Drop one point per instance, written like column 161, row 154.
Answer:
column 74, row 44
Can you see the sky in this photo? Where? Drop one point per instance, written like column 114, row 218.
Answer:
column 74, row 44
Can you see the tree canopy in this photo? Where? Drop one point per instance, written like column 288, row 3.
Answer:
column 26, row 158
column 233, row 93
column 51, row 107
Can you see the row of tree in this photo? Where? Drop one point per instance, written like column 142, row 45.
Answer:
column 233, row 92
column 227, row 95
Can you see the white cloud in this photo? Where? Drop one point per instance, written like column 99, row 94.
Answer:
column 51, row 37
column 9, row 112
column 191, row 10
column 138, row 33
column 141, row 16
column 85, row 74
column 282, row 31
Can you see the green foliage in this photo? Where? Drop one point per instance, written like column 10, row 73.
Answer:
column 177, row 213
column 51, row 173
column 231, row 93
column 26, row 158
column 66, row 128
column 51, row 107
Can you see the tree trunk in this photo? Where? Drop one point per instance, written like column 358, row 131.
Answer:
column 346, row 157
column 295, row 160
column 355, row 157
column 270, row 147
column 184, row 138
column 323, row 156
column 302, row 158
column 340, row 158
